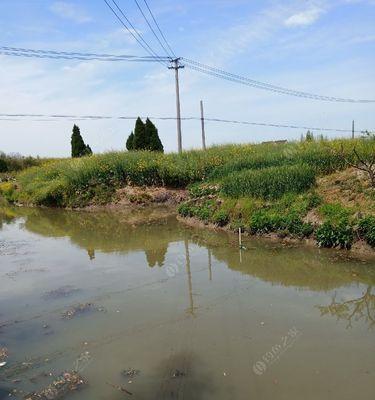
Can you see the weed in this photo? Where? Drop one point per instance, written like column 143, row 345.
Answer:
column 331, row 234
column 366, row 229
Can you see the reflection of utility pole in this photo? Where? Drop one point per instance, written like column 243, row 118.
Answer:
column 209, row 265
column 188, row 272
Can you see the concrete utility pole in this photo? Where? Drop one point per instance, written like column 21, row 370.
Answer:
column 353, row 129
column 202, row 124
column 176, row 66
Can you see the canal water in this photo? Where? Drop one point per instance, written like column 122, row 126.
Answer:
column 144, row 307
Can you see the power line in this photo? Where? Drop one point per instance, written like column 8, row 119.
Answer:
column 159, row 29
column 208, row 70
column 139, row 37
column 21, row 49
column 141, row 40
column 81, row 58
column 20, row 117
column 152, row 29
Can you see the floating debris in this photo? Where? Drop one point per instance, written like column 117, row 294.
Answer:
column 178, row 374
column 130, row 372
column 64, row 384
column 80, row 309
column 3, row 356
column 61, row 292
column 120, row 388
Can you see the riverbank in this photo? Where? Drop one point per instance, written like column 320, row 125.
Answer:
column 311, row 191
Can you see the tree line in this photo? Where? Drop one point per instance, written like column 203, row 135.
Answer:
column 145, row 136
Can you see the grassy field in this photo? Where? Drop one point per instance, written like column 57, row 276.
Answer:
column 261, row 188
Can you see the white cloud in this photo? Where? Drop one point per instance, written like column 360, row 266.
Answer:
column 304, row 18
column 70, row 11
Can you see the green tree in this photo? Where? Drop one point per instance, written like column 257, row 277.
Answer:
column 88, row 151
column 3, row 165
column 140, row 142
column 309, row 136
column 153, row 141
column 79, row 148
column 130, row 142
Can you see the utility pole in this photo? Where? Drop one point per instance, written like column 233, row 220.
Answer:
column 353, row 129
column 176, row 66
column 202, row 124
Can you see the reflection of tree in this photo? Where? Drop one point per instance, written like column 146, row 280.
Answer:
column 362, row 308
column 156, row 256
column 91, row 253
column 6, row 216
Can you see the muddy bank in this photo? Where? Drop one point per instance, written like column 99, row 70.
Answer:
column 131, row 197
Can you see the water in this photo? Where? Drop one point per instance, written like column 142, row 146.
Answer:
column 197, row 317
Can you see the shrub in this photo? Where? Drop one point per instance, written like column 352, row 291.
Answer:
column 3, row 165
column 201, row 190
column 185, row 210
column 7, row 189
column 221, row 217
column 205, row 211
column 366, row 229
column 264, row 221
column 334, row 212
column 269, row 183
column 313, row 200
column 331, row 234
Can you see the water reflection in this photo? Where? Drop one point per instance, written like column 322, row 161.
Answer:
column 153, row 230
column 353, row 310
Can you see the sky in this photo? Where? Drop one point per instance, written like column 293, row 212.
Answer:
column 320, row 46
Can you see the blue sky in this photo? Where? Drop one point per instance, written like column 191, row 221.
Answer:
column 320, row 46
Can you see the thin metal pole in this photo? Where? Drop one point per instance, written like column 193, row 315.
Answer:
column 203, row 131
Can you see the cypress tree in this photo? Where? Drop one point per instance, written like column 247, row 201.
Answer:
column 88, row 151
column 152, row 137
column 139, row 142
column 79, row 148
column 130, row 142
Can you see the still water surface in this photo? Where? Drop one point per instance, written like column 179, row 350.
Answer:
column 194, row 316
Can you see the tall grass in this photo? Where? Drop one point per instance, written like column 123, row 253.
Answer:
column 269, row 183
column 75, row 182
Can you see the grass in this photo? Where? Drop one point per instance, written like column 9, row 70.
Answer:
column 269, row 183
column 78, row 182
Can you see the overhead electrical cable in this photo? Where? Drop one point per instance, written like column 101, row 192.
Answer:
column 152, row 30
column 21, row 117
column 101, row 55
column 159, row 29
column 208, row 70
column 81, row 58
column 14, row 51
column 140, row 40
